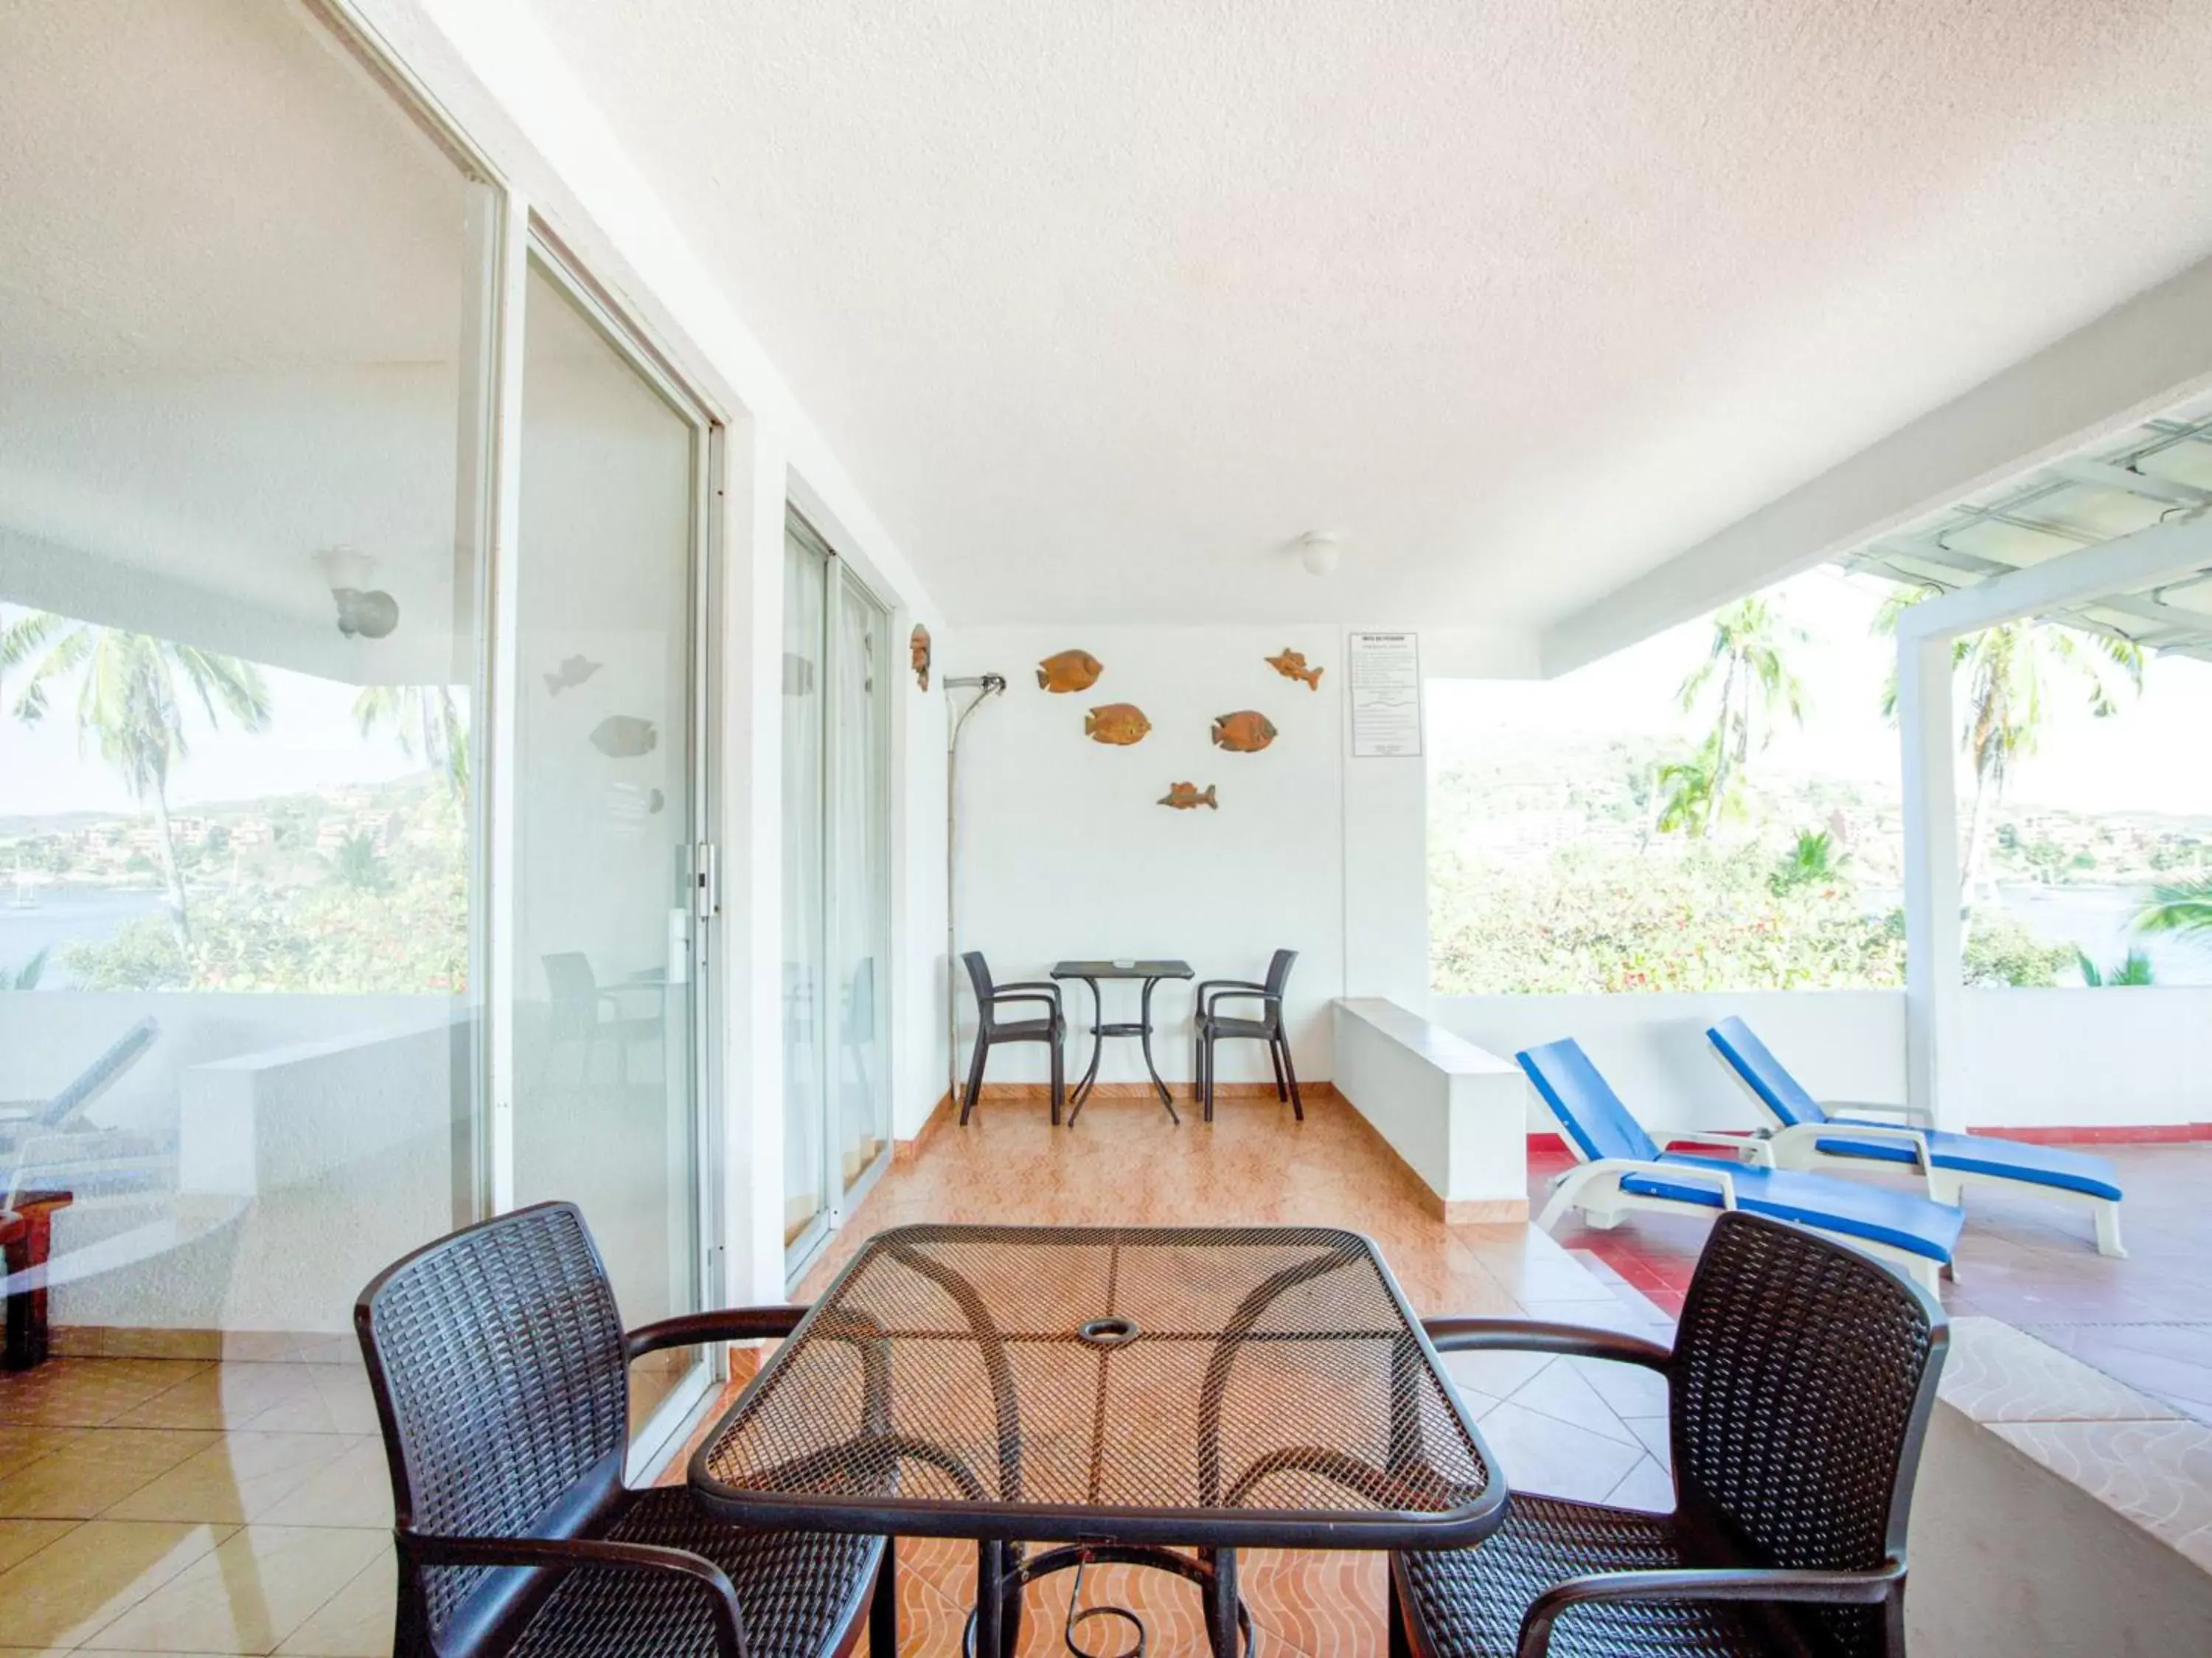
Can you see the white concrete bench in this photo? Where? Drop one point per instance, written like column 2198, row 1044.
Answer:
column 1455, row 1115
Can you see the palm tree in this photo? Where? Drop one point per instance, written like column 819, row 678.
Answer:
column 128, row 701
column 1686, row 803
column 2186, row 908
column 423, row 714
column 2010, row 672
column 1748, row 650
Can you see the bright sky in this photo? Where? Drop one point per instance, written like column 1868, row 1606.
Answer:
column 312, row 742
column 2150, row 758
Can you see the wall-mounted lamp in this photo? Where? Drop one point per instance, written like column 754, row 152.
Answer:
column 1319, row 551
column 364, row 612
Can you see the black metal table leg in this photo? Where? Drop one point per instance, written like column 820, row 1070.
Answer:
column 883, row 1604
column 1145, row 1036
column 1219, row 1591
column 1098, row 1047
column 990, row 1600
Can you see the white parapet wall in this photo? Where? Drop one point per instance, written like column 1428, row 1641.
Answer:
column 1455, row 1114
column 2057, row 1511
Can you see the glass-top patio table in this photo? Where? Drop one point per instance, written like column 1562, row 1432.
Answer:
column 1115, row 1391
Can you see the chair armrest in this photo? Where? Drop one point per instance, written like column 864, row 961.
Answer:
column 571, row 1553
column 1751, row 1148
column 1050, row 987
column 1234, row 993
column 1817, row 1588
column 723, row 1324
column 1206, row 985
column 1692, row 1170
column 1919, row 1114
column 1052, row 1002
column 1450, row 1335
column 1876, row 1133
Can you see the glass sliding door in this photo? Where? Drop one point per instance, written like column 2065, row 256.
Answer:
column 805, row 689
column 859, row 883
column 836, row 893
column 605, row 951
column 240, row 394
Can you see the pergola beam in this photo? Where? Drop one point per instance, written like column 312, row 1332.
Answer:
column 2103, row 475
column 2118, row 568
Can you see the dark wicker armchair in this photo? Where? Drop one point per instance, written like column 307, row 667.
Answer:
column 991, row 1032
column 1211, row 1025
column 501, row 1371
column 1800, row 1382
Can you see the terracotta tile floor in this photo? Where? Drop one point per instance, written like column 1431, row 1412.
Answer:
column 2145, row 1320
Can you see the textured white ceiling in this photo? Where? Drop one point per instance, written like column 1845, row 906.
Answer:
column 1102, row 303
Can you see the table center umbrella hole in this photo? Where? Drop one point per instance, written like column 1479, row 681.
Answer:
column 1109, row 1332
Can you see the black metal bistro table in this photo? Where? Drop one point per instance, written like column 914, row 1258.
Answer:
column 1116, row 1391
column 1090, row 972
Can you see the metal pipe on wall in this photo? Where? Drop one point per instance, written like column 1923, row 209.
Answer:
column 985, row 685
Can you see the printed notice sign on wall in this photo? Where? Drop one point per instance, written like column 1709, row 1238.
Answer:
column 1384, row 678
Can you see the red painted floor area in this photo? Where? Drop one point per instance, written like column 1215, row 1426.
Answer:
column 2146, row 1320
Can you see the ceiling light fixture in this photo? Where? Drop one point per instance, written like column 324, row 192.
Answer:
column 1319, row 551
column 364, row 612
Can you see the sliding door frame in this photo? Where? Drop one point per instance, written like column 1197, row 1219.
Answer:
column 840, row 1198
column 506, row 236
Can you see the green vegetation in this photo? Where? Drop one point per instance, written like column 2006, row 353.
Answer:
column 366, row 918
column 27, row 977
column 1602, row 864
column 2136, row 970
column 2183, row 908
column 1606, row 919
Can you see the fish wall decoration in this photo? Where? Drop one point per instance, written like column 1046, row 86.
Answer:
column 917, row 646
column 1291, row 665
column 1118, row 723
column 1070, row 671
column 624, row 736
column 1245, row 732
column 574, row 672
column 1185, row 797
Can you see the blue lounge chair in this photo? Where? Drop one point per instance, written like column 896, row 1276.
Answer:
column 1811, row 1139
column 1621, row 1168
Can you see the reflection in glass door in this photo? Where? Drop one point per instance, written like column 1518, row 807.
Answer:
column 606, row 955
column 805, row 651
column 836, row 893
column 860, row 881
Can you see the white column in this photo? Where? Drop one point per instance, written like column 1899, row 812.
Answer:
column 1932, row 991
column 750, row 834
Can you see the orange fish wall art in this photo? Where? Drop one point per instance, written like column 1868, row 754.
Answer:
column 1118, row 723
column 917, row 647
column 1291, row 665
column 1185, row 797
column 1069, row 671
column 1245, row 732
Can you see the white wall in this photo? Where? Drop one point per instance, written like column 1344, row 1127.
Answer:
column 1066, row 852
column 1843, row 1044
column 2060, row 1058
column 2137, row 1055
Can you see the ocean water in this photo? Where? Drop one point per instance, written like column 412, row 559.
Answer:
column 63, row 917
